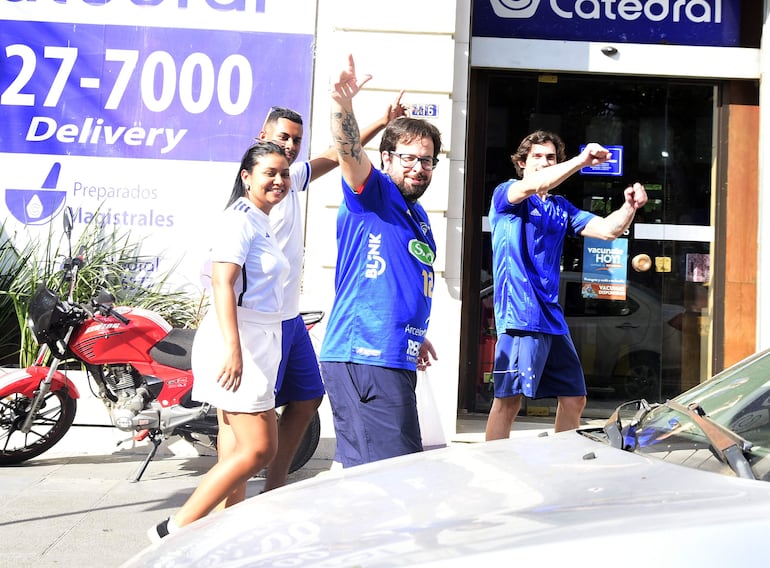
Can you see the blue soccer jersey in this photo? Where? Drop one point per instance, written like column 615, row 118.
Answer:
column 527, row 243
column 383, row 280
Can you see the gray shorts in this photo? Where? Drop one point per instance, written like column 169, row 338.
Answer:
column 374, row 411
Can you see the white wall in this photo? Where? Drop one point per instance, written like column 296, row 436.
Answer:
column 423, row 50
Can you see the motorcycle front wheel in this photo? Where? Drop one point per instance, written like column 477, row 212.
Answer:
column 52, row 421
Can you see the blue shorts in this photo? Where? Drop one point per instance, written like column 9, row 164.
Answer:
column 374, row 411
column 537, row 365
column 298, row 375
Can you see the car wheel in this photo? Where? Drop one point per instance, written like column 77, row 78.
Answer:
column 640, row 376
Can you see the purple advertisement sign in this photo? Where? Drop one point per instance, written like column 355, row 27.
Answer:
column 141, row 92
column 678, row 22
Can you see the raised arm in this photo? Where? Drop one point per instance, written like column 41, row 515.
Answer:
column 354, row 163
column 617, row 222
column 326, row 162
column 395, row 110
column 547, row 178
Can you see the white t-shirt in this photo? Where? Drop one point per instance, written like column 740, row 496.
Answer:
column 244, row 237
column 286, row 221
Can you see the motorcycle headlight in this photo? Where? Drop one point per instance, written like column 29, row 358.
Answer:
column 32, row 329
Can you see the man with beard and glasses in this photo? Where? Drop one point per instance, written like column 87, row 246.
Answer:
column 299, row 388
column 375, row 338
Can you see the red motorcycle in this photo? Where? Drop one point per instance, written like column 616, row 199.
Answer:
column 139, row 364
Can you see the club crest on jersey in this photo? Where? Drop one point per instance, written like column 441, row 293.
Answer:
column 421, row 252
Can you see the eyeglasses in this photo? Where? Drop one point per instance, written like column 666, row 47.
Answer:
column 410, row 160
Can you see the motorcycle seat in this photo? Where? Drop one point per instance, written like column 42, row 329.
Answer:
column 175, row 350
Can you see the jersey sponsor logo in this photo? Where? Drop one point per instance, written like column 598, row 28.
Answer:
column 367, row 352
column 375, row 264
column 422, row 252
column 418, row 331
column 412, row 348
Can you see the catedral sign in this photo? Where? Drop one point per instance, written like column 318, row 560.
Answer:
column 684, row 22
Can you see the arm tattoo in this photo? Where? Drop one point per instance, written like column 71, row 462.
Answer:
column 347, row 137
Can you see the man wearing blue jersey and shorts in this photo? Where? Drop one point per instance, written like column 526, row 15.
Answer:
column 299, row 387
column 375, row 337
column 534, row 355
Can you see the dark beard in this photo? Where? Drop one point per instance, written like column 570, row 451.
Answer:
column 412, row 193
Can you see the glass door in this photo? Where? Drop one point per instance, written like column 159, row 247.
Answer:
column 655, row 342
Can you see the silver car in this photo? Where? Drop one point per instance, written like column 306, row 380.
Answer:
column 682, row 483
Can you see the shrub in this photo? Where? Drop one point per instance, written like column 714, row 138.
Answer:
column 109, row 254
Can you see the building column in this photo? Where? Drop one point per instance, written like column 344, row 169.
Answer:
column 763, row 233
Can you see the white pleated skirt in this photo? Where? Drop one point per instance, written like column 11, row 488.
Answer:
column 260, row 335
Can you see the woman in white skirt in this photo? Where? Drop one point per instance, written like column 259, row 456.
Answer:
column 237, row 348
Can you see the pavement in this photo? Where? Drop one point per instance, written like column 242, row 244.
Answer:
column 77, row 504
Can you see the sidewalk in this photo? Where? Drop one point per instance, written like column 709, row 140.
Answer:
column 77, row 506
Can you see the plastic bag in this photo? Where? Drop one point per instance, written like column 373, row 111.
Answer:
column 428, row 414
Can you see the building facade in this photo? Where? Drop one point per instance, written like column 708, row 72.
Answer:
column 673, row 87
column 125, row 109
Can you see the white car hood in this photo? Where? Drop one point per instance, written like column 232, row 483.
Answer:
column 513, row 500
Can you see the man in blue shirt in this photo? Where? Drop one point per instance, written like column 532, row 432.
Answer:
column 375, row 337
column 534, row 355
column 299, row 388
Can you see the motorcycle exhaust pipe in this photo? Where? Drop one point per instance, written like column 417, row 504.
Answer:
column 173, row 417
column 130, row 421
column 164, row 419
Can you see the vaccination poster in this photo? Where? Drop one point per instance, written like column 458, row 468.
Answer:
column 604, row 269
column 137, row 112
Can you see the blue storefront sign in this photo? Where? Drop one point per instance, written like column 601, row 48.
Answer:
column 612, row 167
column 677, row 22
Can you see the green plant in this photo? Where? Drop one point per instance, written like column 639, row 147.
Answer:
column 110, row 254
column 13, row 264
